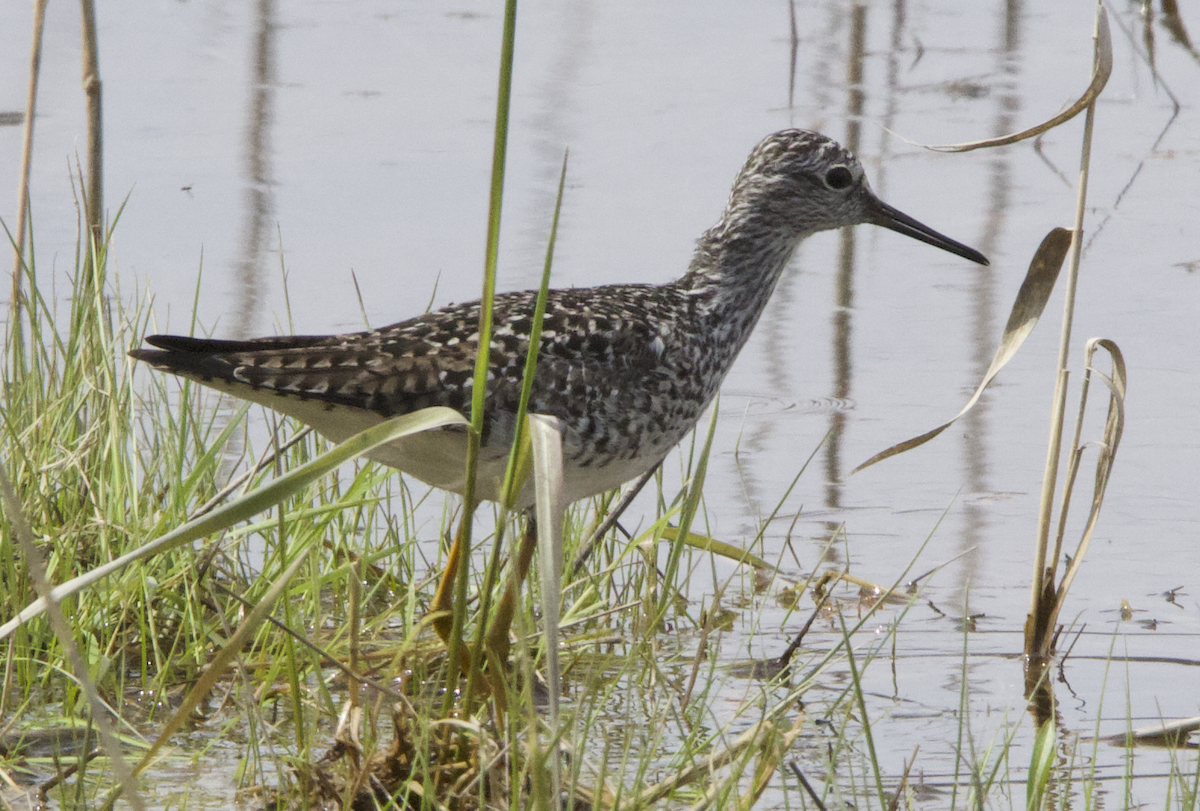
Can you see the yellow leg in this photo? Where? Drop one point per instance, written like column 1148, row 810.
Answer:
column 497, row 637
column 443, row 599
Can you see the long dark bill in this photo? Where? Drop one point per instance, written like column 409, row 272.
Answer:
column 901, row 223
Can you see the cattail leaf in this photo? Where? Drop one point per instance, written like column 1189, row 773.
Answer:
column 1031, row 300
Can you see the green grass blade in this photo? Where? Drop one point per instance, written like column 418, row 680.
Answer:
column 512, row 478
column 1041, row 766
column 726, row 550
column 486, row 305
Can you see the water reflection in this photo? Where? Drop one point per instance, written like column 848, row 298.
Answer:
column 258, row 203
column 843, row 303
column 258, row 185
column 552, row 127
column 976, row 436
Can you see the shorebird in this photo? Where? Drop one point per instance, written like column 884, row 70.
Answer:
column 627, row 369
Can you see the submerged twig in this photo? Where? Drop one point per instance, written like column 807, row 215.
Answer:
column 807, row 786
column 785, row 659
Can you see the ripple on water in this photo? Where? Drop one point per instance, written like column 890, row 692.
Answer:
column 759, row 407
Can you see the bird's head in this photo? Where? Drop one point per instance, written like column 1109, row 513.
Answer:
column 798, row 182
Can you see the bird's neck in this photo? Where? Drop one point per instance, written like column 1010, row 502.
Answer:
column 734, row 271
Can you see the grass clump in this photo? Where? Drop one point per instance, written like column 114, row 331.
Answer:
column 337, row 701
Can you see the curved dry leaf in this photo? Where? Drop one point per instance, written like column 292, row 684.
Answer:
column 1114, row 427
column 1031, row 300
column 1102, row 69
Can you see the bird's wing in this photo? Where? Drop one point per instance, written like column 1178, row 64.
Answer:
column 588, row 343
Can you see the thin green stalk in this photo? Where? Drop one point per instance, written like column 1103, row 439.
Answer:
column 860, row 699
column 686, row 513
column 486, row 304
column 512, row 480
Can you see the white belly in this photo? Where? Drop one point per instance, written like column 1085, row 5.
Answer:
column 438, row 457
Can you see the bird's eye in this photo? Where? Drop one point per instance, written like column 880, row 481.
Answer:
column 838, row 177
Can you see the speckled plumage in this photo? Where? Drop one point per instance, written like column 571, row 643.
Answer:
column 628, row 369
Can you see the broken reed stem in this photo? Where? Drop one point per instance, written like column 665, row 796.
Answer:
column 35, row 64
column 95, row 132
column 1037, row 644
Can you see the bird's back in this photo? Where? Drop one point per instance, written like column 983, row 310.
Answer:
column 615, row 365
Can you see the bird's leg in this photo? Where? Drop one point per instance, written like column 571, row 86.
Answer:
column 497, row 635
column 443, row 599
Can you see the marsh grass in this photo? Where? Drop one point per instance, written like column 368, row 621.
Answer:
column 296, row 626
column 104, row 459
column 101, row 464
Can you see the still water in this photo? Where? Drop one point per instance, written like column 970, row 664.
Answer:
column 353, row 142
